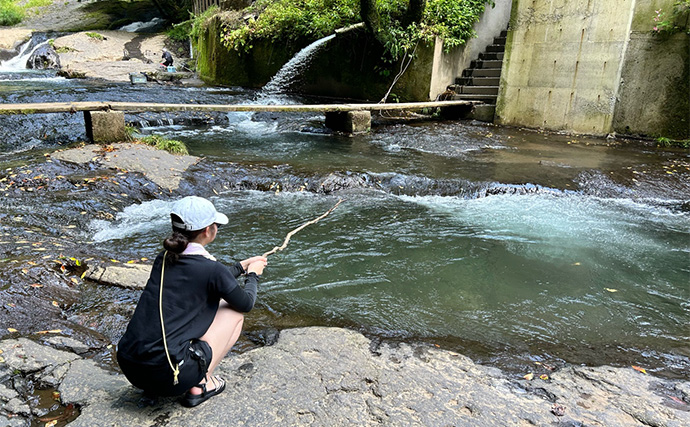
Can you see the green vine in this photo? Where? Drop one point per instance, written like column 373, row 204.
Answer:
column 674, row 22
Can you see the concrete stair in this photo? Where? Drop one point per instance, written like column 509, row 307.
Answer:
column 480, row 82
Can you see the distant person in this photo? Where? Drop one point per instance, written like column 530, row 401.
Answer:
column 167, row 58
column 190, row 312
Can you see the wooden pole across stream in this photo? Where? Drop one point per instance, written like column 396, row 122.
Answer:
column 104, row 121
column 139, row 107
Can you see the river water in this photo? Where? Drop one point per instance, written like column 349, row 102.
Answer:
column 508, row 245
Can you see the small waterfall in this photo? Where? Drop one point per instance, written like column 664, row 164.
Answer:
column 18, row 63
column 143, row 27
column 287, row 75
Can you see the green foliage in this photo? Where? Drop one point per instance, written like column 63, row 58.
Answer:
column 95, row 36
column 675, row 21
column 199, row 22
column 10, row 13
column 290, row 20
column 180, row 32
column 668, row 142
column 30, row 4
column 452, row 20
column 130, row 133
column 170, row 145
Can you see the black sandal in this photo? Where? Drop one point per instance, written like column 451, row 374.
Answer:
column 191, row 400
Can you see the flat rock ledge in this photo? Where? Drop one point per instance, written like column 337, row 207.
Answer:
column 161, row 167
column 130, row 276
column 322, row 376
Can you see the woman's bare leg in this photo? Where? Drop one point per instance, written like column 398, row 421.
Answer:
column 221, row 336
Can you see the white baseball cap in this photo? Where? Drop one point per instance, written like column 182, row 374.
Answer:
column 196, row 213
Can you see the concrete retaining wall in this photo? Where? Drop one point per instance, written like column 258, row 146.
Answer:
column 589, row 67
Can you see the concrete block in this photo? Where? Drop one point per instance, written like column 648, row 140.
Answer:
column 105, row 126
column 349, row 121
column 483, row 113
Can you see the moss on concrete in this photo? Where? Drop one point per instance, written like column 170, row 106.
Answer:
column 217, row 65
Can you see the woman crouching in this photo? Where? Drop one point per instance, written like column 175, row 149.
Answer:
column 190, row 313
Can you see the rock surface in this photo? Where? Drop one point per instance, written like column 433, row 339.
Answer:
column 43, row 58
column 59, row 15
column 106, row 57
column 330, row 376
column 132, row 276
column 161, row 167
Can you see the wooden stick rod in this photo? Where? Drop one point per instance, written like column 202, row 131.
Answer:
column 292, row 233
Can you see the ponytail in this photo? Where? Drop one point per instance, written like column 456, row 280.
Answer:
column 177, row 242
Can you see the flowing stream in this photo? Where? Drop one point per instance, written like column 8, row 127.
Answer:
column 506, row 245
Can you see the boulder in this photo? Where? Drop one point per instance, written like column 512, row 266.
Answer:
column 44, row 58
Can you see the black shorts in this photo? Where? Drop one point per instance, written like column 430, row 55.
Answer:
column 158, row 379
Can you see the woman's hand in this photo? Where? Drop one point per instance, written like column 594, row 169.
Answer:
column 254, row 264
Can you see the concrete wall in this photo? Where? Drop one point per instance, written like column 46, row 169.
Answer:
column 654, row 94
column 562, row 64
column 580, row 65
column 448, row 66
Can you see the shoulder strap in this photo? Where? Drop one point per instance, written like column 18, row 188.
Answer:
column 176, row 368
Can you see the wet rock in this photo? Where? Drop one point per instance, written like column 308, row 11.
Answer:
column 69, row 73
column 131, row 276
column 341, row 382
column 85, row 383
column 24, row 355
column 68, row 344
column 336, row 182
column 159, row 166
column 44, row 58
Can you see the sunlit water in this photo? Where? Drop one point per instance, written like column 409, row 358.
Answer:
column 574, row 257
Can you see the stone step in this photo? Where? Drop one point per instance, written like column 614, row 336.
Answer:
column 481, row 72
column 480, row 63
column 495, row 48
column 476, row 90
column 478, row 81
column 491, row 56
column 500, row 40
column 504, row 33
column 490, row 99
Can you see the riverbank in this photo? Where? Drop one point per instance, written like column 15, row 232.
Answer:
column 332, row 376
column 60, row 337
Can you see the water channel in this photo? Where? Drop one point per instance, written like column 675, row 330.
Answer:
column 508, row 245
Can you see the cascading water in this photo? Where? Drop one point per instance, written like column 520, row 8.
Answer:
column 288, row 74
column 143, row 27
column 18, row 63
column 508, row 245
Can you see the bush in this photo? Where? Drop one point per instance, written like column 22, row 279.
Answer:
column 180, row 32
column 452, row 20
column 291, row 20
column 10, row 13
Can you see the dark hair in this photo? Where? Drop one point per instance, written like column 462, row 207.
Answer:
column 177, row 242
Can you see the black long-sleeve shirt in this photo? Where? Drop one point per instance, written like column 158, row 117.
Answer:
column 192, row 291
